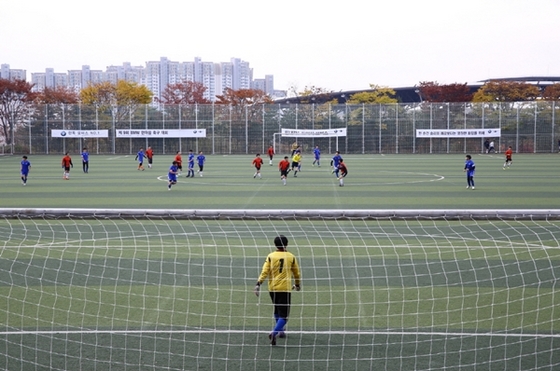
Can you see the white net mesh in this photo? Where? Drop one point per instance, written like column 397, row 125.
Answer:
column 172, row 290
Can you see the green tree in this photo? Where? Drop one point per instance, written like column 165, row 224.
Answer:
column 378, row 95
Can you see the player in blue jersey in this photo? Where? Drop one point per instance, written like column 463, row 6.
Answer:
column 172, row 175
column 85, row 160
column 317, row 154
column 200, row 159
column 24, row 169
column 190, row 164
column 334, row 163
column 140, row 157
column 469, row 169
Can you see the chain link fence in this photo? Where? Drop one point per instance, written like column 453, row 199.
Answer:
column 529, row 127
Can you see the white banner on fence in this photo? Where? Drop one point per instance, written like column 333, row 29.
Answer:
column 80, row 133
column 161, row 133
column 314, row 133
column 459, row 133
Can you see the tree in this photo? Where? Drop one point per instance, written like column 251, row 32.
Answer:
column 122, row 98
column 315, row 94
column 58, row 95
column 243, row 97
column 183, row 93
column 16, row 105
column 431, row 91
column 506, row 91
column 551, row 92
column 379, row 95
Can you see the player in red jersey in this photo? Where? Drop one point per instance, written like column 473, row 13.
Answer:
column 342, row 172
column 257, row 163
column 270, row 153
column 66, row 165
column 284, row 167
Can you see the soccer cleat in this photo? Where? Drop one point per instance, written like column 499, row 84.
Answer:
column 472, row 187
column 272, row 339
column 468, row 187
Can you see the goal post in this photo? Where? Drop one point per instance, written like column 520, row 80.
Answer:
column 171, row 289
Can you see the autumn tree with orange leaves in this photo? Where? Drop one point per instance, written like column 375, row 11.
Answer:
column 551, row 92
column 184, row 93
column 434, row 92
column 58, row 95
column 506, row 91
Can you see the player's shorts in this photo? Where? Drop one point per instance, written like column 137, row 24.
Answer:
column 26, row 173
column 343, row 174
column 282, row 301
column 172, row 179
column 258, row 168
column 67, row 168
column 149, row 160
column 508, row 158
column 284, row 172
column 295, row 164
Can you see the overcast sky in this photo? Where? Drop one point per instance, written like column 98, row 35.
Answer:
column 332, row 45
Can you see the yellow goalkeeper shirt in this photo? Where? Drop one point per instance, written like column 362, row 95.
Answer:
column 279, row 267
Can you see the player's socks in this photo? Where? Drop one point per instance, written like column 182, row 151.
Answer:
column 280, row 324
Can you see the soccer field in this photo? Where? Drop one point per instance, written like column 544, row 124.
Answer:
column 165, row 293
column 373, row 182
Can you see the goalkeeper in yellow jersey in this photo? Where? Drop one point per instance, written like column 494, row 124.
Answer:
column 280, row 267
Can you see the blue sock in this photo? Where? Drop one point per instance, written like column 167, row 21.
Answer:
column 279, row 326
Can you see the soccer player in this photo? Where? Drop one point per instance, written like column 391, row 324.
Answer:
column 509, row 153
column 66, row 165
column 294, row 147
column 296, row 163
column 200, row 159
column 24, row 169
column 140, row 157
column 284, row 167
column 280, row 267
column 343, row 171
column 257, row 163
column 190, row 164
column 172, row 175
column 85, row 160
column 335, row 161
column 150, row 156
column 317, row 154
column 179, row 161
column 469, row 169
column 491, row 148
column 270, row 153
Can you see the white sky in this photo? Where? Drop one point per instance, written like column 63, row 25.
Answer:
column 332, row 45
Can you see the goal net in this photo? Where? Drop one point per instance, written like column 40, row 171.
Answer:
column 382, row 290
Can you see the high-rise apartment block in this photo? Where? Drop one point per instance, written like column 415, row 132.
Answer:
column 155, row 75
